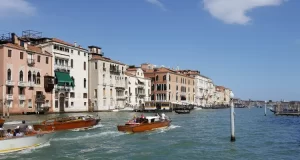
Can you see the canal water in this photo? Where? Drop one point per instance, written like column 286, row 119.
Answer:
column 203, row 134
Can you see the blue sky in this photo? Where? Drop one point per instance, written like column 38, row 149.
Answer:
column 250, row 46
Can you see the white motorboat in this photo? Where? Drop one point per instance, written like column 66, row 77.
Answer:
column 15, row 144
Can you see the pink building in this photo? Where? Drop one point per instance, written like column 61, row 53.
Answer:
column 26, row 81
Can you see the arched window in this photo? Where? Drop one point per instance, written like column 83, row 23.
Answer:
column 84, row 83
column 21, row 76
column 9, row 74
column 29, row 76
column 156, row 78
column 38, row 79
column 34, row 77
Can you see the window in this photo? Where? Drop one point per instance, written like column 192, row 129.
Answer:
column 21, row 91
column 84, row 65
column 95, row 93
column 47, row 59
column 110, row 92
column 21, row 76
column 29, row 103
column 78, row 53
column 34, row 78
column 176, row 79
column 103, row 92
column 21, row 55
column 39, row 58
column 169, row 86
column 9, row 53
column 71, row 63
column 72, row 104
column 66, row 104
column 96, row 65
column 84, row 103
column 29, row 76
column 71, row 51
column 84, row 54
column 164, row 77
column 104, row 67
column 84, row 95
column 84, row 83
column 156, row 78
column 72, row 95
column 38, row 79
column 56, row 103
column 9, row 74
column 22, row 43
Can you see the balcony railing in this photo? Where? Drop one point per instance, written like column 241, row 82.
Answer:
column 22, row 84
column 9, row 96
column 63, row 88
column 61, row 67
column 30, row 61
column 31, row 84
column 21, row 97
column 10, row 83
column 121, row 97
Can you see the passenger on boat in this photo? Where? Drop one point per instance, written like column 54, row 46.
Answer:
column 30, row 130
column 23, row 127
column 8, row 133
column 163, row 116
column 2, row 132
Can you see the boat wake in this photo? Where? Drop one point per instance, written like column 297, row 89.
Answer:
column 13, row 122
column 171, row 127
column 87, row 150
column 88, row 135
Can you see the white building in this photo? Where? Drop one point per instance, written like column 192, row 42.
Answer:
column 70, row 67
column 138, row 89
column 107, row 81
column 203, row 88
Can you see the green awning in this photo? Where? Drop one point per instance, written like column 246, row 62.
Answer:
column 63, row 78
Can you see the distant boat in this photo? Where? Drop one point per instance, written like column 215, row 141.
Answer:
column 183, row 111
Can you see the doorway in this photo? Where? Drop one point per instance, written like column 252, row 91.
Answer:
column 61, row 102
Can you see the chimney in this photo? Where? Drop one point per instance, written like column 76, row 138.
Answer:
column 75, row 44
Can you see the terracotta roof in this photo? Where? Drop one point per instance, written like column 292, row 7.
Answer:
column 129, row 74
column 15, row 46
column 34, row 49
column 102, row 58
column 132, row 69
column 65, row 43
column 30, row 48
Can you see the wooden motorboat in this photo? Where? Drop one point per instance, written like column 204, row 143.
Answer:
column 14, row 144
column 68, row 123
column 144, row 124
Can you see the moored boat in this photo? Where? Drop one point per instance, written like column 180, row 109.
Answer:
column 182, row 111
column 68, row 123
column 145, row 124
column 14, row 144
column 1, row 122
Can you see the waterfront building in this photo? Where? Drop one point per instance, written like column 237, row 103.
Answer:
column 138, row 88
column 26, row 81
column 169, row 85
column 70, row 69
column 107, row 81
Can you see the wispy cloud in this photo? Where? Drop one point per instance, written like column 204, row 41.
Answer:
column 234, row 11
column 158, row 4
column 14, row 7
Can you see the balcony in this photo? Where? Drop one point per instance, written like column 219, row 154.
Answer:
column 22, row 97
column 63, row 88
column 111, row 84
column 31, row 84
column 30, row 61
column 116, row 72
column 9, row 97
column 141, row 94
column 22, row 84
column 104, row 84
column 62, row 67
column 121, row 97
column 10, row 83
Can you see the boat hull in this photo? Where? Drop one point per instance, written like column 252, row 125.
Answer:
column 143, row 127
column 67, row 126
column 1, row 122
column 21, row 143
column 182, row 111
